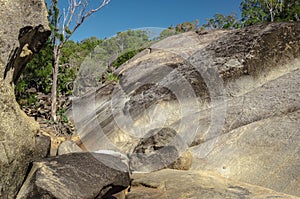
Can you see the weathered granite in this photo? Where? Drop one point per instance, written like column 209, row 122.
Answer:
column 21, row 22
column 264, row 153
column 76, row 175
column 17, row 142
column 68, row 146
column 176, row 184
column 221, row 84
column 16, row 15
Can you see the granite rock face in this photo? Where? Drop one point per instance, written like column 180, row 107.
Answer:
column 264, row 153
column 17, row 142
column 18, row 19
column 176, row 184
column 24, row 30
column 231, row 96
column 77, row 175
column 31, row 40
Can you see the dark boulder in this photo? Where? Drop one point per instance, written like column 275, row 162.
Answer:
column 160, row 148
column 76, row 175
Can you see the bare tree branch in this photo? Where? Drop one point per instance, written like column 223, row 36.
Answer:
column 61, row 32
column 104, row 3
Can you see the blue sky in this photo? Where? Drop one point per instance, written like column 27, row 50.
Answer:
column 121, row 15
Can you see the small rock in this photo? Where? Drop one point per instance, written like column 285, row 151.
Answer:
column 68, row 147
column 184, row 162
column 42, row 145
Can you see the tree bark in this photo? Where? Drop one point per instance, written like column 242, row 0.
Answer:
column 56, row 56
column 272, row 15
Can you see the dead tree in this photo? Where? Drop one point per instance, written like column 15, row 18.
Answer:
column 63, row 27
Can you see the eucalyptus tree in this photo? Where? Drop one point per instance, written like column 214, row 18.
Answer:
column 259, row 11
column 274, row 7
column 63, row 25
column 220, row 21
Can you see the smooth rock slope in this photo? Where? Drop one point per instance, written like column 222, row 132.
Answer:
column 195, row 185
column 232, row 97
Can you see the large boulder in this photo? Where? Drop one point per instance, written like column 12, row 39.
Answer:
column 176, row 184
column 232, row 92
column 17, row 142
column 24, row 30
column 77, row 175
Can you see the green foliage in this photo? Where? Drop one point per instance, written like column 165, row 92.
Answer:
column 111, row 77
column 112, row 52
column 290, row 11
column 63, row 116
column 179, row 28
column 37, row 74
column 65, row 78
column 89, row 44
column 186, row 27
column 125, row 57
column 260, row 11
column 168, row 32
column 68, row 31
column 221, row 21
column 253, row 12
column 53, row 18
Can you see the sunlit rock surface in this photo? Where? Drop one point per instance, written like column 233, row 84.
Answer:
column 166, row 184
column 231, row 96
